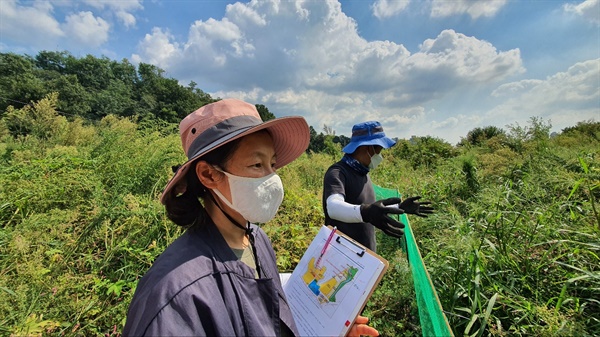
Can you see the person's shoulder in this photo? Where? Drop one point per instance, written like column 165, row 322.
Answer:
column 338, row 166
column 186, row 258
column 169, row 279
column 169, row 269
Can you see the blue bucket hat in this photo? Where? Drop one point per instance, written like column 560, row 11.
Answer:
column 368, row 133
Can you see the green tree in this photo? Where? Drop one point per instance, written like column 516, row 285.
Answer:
column 264, row 112
column 53, row 61
column 114, row 100
column 423, row 151
column 39, row 119
column 328, row 130
column 94, row 87
column 479, row 136
column 18, row 82
column 589, row 128
column 317, row 142
column 92, row 72
column 537, row 134
column 74, row 99
column 125, row 72
column 165, row 98
column 14, row 65
column 342, row 140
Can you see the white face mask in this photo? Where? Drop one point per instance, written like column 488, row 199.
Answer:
column 376, row 159
column 256, row 199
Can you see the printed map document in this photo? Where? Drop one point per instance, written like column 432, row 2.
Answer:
column 332, row 283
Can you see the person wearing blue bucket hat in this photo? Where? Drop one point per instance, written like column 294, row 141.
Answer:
column 368, row 133
column 348, row 195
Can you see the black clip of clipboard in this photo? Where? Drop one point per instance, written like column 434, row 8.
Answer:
column 359, row 253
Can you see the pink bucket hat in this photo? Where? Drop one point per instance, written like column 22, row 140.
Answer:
column 219, row 123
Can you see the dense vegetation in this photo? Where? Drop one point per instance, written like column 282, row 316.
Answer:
column 91, row 87
column 512, row 249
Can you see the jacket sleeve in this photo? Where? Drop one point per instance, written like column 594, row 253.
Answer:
column 180, row 317
column 171, row 322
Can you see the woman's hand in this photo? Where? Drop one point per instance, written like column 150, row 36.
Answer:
column 360, row 328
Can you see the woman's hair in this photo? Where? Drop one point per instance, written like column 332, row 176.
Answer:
column 185, row 209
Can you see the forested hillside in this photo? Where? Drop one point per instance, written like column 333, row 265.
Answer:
column 91, row 87
column 87, row 144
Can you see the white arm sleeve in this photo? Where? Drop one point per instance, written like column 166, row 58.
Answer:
column 338, row 209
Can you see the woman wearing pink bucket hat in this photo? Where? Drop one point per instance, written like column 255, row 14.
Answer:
column 220, row 277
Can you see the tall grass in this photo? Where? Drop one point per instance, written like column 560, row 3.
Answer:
column 513, row 247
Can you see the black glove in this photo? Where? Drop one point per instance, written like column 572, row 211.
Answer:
column 377, row 214
column 411, row 206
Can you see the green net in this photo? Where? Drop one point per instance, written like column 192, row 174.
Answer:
column 432, row 318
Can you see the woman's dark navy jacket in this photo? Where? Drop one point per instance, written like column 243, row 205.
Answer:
column 198, row 287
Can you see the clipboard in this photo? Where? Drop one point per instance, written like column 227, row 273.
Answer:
column 326, row 297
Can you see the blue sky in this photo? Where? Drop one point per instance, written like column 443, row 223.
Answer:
column 434, row 67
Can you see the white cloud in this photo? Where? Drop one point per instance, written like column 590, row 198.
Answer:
column 578, row 86
column 589, row 10
column 474, row 8
column 317, row 47
column 125, row 5
column 307, row 58
column 467, row 59
column 449, row 123
column 39, row 25
column 442, row 8
column 239, row 12
column 224, row 30
column 157, row 49
column 127, row 19
column 84, row 28
column 564, row 98
column 30, row 25
column 387, row 8
column 122, row 9
column 515, row 87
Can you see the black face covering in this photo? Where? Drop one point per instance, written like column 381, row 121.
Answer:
column 355, row 164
